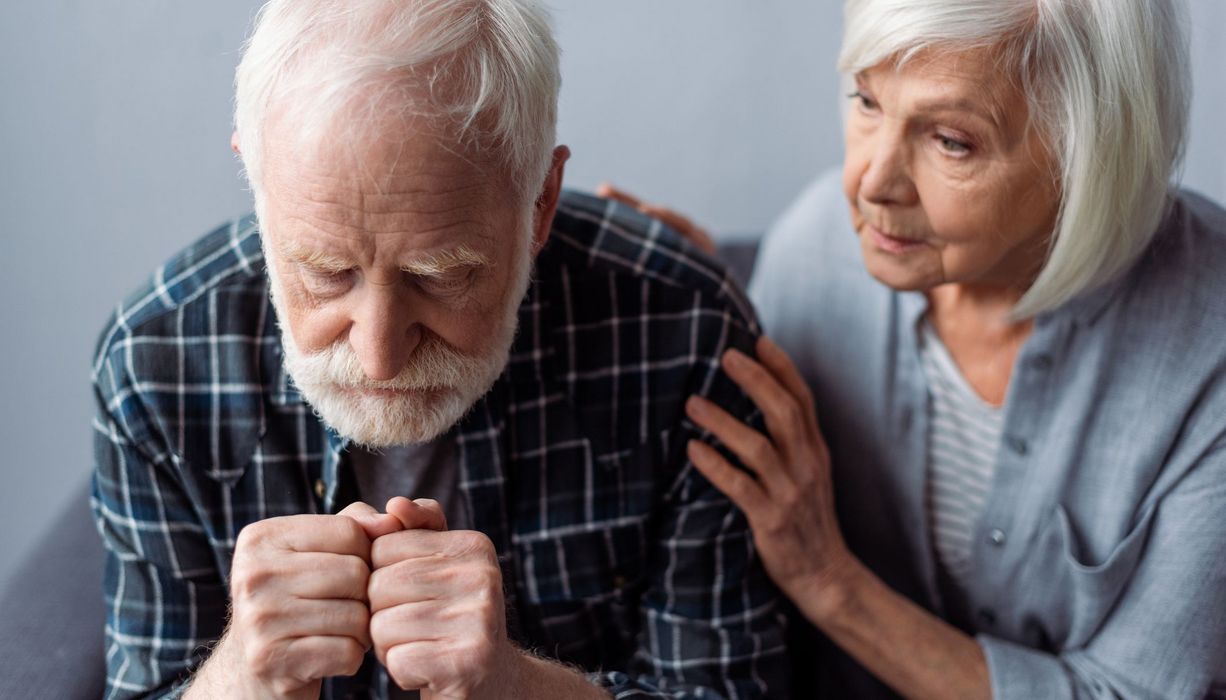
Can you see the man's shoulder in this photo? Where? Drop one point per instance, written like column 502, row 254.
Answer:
column 226, row 258
column 202, row 303
column 603, row 242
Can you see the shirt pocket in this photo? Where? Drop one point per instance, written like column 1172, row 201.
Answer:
column 579, row 592
column 1083, row 586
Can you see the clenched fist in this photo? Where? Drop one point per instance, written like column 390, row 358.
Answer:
column 437, row 614
column 299, row 610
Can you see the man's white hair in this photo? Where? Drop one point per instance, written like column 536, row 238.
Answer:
column 486, row 69
column 1108, row 88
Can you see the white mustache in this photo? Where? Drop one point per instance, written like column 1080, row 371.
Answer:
column 433, row 365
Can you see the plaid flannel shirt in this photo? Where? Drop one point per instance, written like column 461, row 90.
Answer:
column 617, row 556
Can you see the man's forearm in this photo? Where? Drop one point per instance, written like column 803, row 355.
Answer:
column 535, row 678
column 221, row 677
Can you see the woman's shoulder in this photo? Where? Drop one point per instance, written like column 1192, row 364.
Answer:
column 1193, row 236
column 1184, row 270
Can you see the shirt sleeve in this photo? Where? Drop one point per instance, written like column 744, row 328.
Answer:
column 712, row 622
column 165, row 598
column 1166, row 637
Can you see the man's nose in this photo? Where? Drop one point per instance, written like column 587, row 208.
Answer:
column 887, row 175
column 384, row 332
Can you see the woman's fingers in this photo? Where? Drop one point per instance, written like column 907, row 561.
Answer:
column 786, row 418
column 755, row 450
column 741, row 488
column 608, row 191
column 781, row 366
column 677, row 221
column 683, row 225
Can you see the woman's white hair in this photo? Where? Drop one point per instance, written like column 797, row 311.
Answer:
column 486, row 69
column 1107, row 85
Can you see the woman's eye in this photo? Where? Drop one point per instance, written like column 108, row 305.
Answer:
column 953, row 146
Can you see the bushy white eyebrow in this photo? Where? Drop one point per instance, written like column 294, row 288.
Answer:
column 437, row 264
column 432, row 264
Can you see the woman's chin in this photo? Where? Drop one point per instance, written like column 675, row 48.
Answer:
column 910, row 272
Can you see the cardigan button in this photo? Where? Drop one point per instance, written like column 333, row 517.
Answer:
column 1018, row 445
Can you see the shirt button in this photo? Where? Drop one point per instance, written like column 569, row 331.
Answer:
column 319, row 488
column 997, row 537
column 1017, row 444
column 987, row 616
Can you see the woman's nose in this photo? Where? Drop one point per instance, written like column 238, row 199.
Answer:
column 887, row 173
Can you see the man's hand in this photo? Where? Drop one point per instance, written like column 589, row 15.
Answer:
column 298, row 605
column 437, row 614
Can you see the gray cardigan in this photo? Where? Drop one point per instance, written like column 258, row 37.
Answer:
column 1100, row 558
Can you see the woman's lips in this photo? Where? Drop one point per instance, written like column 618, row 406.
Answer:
column 893, row 244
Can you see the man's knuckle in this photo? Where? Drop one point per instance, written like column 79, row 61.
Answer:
column 260, row 620
column 381, row 625
column 356, row 571
column 282, row 685
column 469, row 541
column 253, row 536
column 352, row 657
column 384, row 550
column 354, row 617
column 248, row 580
column 348, row 532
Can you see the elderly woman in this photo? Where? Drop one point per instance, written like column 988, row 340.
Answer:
column 996, row 461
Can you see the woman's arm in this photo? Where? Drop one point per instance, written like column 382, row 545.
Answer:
column 791, row 510
column 1165, row 637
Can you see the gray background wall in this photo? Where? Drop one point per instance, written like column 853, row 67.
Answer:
column 114, row 127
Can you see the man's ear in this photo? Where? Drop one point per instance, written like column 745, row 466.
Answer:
column 547, row 201
column 234, row 144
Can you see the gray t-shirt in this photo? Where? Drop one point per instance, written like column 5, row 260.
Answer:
column 428, row 470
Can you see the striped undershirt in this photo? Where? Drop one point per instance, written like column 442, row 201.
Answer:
column 963, row 435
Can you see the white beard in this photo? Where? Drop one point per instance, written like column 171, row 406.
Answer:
column 438, row 386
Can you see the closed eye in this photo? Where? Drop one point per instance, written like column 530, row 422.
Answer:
column 449, row 284
column 325, row 283
column 863, row 101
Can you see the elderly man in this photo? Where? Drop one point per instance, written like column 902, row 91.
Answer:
column 418, row 312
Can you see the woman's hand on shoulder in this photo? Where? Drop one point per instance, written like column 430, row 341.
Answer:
column 788, row 496
column 678, row 222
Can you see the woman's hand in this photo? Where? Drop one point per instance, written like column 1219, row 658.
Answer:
column 790, row 504
column 681, row 224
